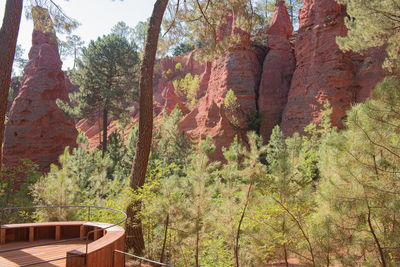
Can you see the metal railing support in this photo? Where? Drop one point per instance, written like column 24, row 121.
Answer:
column 141, row 259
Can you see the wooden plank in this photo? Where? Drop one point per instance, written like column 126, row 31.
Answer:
column 31, row 234
column 100, row 252
column 26, row 225
column 75, row 259
column 96, row 234
column 82, row 232
column 3, row 236
column 58, row 232
column 38, row 254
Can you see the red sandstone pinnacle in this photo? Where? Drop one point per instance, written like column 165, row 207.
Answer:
column 278, row 68
column 37, row 128
column 280, row 24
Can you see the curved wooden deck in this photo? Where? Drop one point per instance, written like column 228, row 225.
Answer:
column 100, row 249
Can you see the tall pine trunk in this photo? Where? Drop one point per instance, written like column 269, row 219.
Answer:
column 134, row 231
column 8, row 42
column 105, row 122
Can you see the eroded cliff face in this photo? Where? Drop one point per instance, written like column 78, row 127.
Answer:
column 288, row 85
column 325, row 73
column 239, row 70
column 278, row 68
column 37, row 129
column 167, row 70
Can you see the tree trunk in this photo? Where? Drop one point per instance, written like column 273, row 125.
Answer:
column 196, row 256
column 8, row 42
column 236, row 246
column 165, row 239
column 285, row 255
column 378, row 244
column 134, row 232
column 105, row 122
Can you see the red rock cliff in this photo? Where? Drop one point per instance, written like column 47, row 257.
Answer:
column 323, row 72
column 37, row 129
column 278, row 68
column 239, row 70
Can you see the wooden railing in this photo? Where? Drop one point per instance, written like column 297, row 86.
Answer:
column 100, row 239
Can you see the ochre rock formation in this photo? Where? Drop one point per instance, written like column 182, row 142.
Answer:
column 325, row 73
column 368, row 71
column 238, row 70
column 278, row 68
column 37, row 128
column 300, row 72
column 174, row 68
column 166, row 71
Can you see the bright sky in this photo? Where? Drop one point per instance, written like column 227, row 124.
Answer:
column 97, row 17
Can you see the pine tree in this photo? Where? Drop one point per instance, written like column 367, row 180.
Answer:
column 360, row 186
column 107, row 77
column 373, row 23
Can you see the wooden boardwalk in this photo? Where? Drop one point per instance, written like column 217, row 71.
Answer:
column 37, row 254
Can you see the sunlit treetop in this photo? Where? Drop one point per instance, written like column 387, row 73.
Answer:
column 61, row 22
column 199, row 22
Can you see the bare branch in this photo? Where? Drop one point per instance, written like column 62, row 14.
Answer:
column 174, row 19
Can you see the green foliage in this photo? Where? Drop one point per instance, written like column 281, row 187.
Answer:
column 71, row 47
column 373, row 23
column 61, row 22
column 267, row 9
column 198, row 22
column 107, row 75
column 232, row 106
column 15, row 182
column 178, row 67
column 183, row 48
column 122, row 29
column 230, row 101
column 170, row 146
column 187, row 87
column 80, row 179
column 254, row 119
column 288, row 199
column 329, row 198
column 11, row 94
column 359, row 195
column 19, row 61
column 139, row 34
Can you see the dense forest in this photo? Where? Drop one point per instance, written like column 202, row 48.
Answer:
column 327, row 194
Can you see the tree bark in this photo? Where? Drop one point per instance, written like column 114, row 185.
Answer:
column 134, row 232
column 105, row 121
column 236, row 246
column 8, row 42
column 165, row 239
column 378, row 244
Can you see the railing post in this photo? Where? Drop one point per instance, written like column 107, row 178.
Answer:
column 113, row 260
column 1, row 224
column 2, row 216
